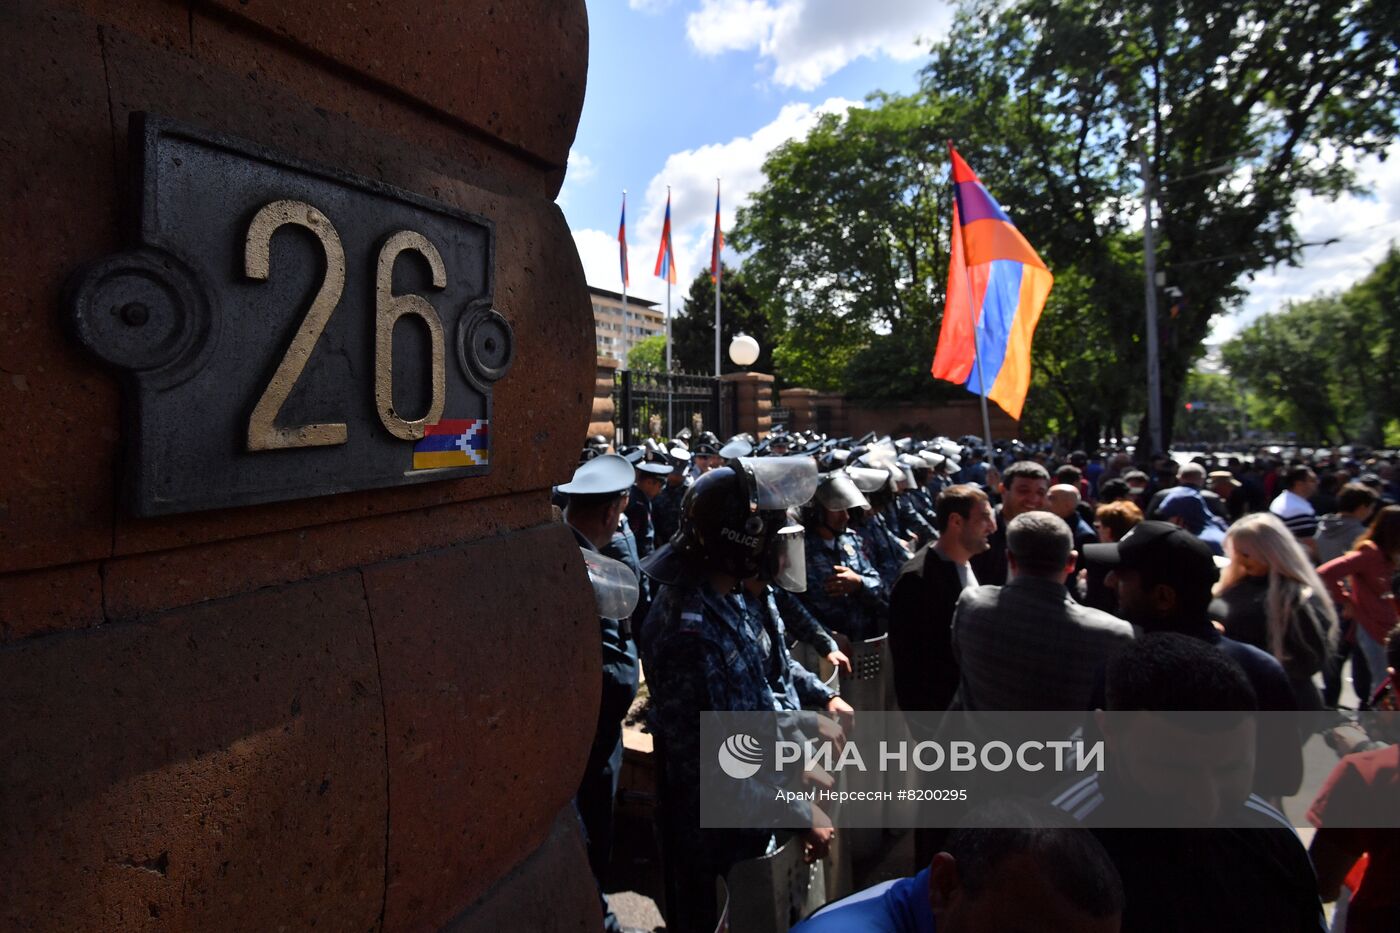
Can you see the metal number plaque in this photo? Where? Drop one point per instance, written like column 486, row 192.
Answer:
column 288, row 330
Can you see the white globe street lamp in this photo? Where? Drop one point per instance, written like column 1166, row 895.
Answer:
column 743, row 350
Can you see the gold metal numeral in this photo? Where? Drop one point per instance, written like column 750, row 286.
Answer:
column 388, row 308
column 263, row 432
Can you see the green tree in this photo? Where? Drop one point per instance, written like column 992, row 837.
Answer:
column 1056, row 103
column 649, row 354
column 1078, row 91
column 846, row 248
column 693, row 330
column 1326, row 368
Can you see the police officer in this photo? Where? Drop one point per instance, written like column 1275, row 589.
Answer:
column 908, row 505
column 705, row 649
column 653, row 466
column 597, row 498
column 704, row 455
column 883, row 546
column 666, row 507
column 845, row 592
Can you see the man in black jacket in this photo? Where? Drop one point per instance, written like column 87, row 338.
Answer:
column 921, row 607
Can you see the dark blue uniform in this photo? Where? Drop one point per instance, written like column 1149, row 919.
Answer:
column 598, row 788
column 705, row 651
column 860, row 615
column 884, row 549
column 639, row 517
column 666, row 512
column 794, row 687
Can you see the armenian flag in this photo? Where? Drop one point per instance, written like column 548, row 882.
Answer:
column 997, row 286
column 718, row 243
column 622, row 241
column 455, row 442
column 666, row 255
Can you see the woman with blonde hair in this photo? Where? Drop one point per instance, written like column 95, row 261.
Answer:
column 1360, row 580
column 1272, row 598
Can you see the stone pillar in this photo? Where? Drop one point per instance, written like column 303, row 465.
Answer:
column 604, row 418
column 753, row 394
column 801, row 407
column 358, row 711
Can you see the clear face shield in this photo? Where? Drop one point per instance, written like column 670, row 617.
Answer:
column 868, row 479
column 778, row 482
column 839, row 491
column 786, row 558
column 614, row 585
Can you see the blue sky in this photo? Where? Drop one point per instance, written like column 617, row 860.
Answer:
column 682, row 91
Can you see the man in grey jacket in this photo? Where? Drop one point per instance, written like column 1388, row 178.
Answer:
column 1027, row 645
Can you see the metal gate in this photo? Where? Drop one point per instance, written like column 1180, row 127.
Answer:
column 653, row 404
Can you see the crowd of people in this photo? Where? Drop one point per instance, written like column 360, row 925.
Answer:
column 1021, row 578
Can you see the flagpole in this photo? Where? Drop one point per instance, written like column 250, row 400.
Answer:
column 976, row 336
column 719, row 275
column 670, row 427
column 671, row 259
column 624, row 281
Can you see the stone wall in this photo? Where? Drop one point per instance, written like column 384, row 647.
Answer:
column 953, row 419
column 361, row 711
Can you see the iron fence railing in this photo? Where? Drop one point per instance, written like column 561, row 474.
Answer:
column 660, row 405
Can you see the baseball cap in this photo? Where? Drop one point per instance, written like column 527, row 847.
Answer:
column 1162, row 548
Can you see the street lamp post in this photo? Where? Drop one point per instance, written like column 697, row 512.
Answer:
column 1149, row 261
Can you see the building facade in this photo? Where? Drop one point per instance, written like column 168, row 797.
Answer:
column 621, row 327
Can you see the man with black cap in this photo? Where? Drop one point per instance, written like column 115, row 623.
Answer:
column 704, row 455
column 1163, row 575
column 652, row 469
column 597, row 497
column 666, row 507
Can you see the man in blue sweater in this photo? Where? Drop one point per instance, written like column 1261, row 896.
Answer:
column 989, row 878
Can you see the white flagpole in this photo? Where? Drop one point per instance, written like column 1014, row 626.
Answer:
column 719, row 276
column 624, row 280
column 671, row 260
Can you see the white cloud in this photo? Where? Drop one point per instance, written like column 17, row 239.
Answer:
column 806, row 41
column 581, row 170
column 1364, row 226
column 691, row 175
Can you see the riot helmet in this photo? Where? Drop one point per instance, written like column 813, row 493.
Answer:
column 734, row 521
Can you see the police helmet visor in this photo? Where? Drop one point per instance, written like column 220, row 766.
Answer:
column 780, row 482
column 868, row 479
column 735, row 449
column 838, row 491
column 614, row 585
column 787, row 557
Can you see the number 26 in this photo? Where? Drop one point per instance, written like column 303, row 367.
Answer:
column 263, row 432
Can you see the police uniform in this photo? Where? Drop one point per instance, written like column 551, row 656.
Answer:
column 666, row 511
column 859, row 616
column 911, row 522
column 793, row 686
column 704, row 651
column 647, row 460
column 884, row 549
column 598, row 788
column 799, row 622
